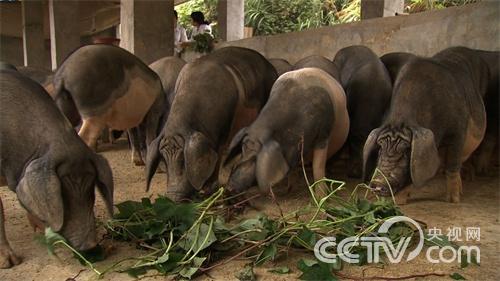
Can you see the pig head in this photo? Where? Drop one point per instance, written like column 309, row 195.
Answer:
column 191, row 160
column 61, row 196
column 402, row 155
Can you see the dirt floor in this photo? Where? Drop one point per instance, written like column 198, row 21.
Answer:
column 480, row 207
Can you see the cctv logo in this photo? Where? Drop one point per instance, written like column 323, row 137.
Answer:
column 373, row 245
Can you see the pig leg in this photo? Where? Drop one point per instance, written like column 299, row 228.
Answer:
column 135, row 141
column 320, row 156
column 453, row 179
column 91, row 129
column 7, row 256
column 453, row 187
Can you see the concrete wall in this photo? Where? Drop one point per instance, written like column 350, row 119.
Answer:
column 11, row 50
column 474, row 25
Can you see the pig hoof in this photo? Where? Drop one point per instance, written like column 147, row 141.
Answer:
column 7, row 257
column 453, row 187
column 138, row 162
column 453, row 198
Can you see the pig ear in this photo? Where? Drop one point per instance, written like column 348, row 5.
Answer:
column 152, row 160
column 104, row 180
column 235, row 146
column 200, row 159
column 40, row 193
column 272, row 166
column 370, row 154
column 424, row 159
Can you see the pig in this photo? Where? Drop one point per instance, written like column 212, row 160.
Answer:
column 318, row 62
column 281, row 65
column 394, row 62
column 167, row 69
column 40, row 75
column 368, row 89
column 437, row 108
column 306, row 113
column 7, row 66
column 105, row 85
column 49, row 167
column 486, row 151
column 215, row 96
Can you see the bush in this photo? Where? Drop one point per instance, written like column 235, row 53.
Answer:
column 275, row 16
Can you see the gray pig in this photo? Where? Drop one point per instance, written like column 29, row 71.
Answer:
column 306, row 110
column 168, row 69
column 486, row 151
column 48, row 166
column 281, row 65
column 108, row 86
column 437, row 107
column 318, row 62
column 394, row 62
column 215, row 96
column 368, row 89
column 40, row 75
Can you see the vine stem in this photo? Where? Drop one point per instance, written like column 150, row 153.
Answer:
column 88, row 263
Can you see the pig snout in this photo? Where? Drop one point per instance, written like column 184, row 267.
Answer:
column 382, row 185
column 179, row 193
column 82, row 241
column 380, row 188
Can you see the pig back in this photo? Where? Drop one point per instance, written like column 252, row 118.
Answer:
column 256, row 73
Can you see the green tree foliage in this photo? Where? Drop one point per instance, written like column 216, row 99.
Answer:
column 415, row 6
column 269, row 17
column 277, row 16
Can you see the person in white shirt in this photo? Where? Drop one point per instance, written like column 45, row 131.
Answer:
column 199, row 25
column 179, row 35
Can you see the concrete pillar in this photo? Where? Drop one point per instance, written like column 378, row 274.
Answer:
column 64, row 29
column 147, row 28
column 33, row 37
column 231, row 19
column 381, row 8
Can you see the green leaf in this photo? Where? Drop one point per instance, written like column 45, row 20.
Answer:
column 155, row 228
column 464, row 262
column 438, row 240
column 369, row 218
column 170, row 265
column 363, row 205
column 189, row 271
column 260, row 232
column 246, row 274
column 307, row 236
column 456, row 276
column 49, row 238
column 280, row 270
column 315, row 270
column 146, row 202
column 269, row 253
column 191, row 238
column 161, row 259
column 127, row 209
column 348, row 228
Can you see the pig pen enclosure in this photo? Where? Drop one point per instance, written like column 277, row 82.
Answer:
column 274, row 238
column 479, row 208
